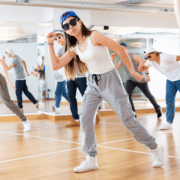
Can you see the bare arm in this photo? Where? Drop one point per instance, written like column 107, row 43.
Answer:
column 6, row 73
column 25, row 67
column 100, row 39
column 178, row 58
column 7, row 67
column 62, row 61
column 34, row 74
column 141, row 63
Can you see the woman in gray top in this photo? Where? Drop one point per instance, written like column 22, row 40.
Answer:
column 131, row 82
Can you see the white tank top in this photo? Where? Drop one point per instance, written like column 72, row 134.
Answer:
column 96, row 58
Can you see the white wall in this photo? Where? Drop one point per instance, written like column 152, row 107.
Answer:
column 28, row 52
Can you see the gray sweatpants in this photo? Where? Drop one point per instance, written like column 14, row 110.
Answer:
column 5, row 97
column 111, row 89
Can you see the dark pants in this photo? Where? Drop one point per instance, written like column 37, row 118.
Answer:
column 60, row 91
column 72, row 86
column 6, row 99
column 130, row 85
column 22, row 87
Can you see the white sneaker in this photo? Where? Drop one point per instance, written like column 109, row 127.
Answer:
column 165, row 126
column 27, row 125
column 158, row 156
column 88, row 165
column 57, row 110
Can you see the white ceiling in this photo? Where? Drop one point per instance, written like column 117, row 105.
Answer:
column 15, row 30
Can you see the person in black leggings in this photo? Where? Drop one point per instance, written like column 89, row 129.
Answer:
column 131, row 82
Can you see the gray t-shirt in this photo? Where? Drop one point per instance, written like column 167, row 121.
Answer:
column 18, row 68
column 130, row 77
column 61, row 53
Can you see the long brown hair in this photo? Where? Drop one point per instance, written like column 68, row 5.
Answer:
column 75, row 63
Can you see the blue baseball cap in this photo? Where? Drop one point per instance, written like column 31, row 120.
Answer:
column 123, row 44
column 68, row 14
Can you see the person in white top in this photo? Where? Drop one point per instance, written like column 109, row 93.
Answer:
column 6, row 99
column 89, row 50
column 168, row 65
column 39, row 72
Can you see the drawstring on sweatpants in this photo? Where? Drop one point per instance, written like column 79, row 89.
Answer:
column 96, row 78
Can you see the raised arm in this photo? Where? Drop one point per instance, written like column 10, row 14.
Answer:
column 4, row 67
column 7, row 67
column 25, row 67
column 62, row 61
column 100, row 39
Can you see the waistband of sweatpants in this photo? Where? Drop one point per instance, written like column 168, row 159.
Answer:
column 104, row 74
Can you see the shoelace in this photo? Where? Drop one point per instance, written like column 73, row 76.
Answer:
column 96, row 78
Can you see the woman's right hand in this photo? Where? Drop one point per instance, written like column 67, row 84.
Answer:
column 50, row 37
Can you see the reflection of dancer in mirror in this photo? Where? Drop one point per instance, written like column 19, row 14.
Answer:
column 131, row 82
column 5, row 97
column 60, row 78
column 39, row 72
column 21, row 86
column 168, row 65
column 90, row 50
column 72, row 85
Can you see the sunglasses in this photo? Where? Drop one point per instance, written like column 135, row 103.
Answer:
column 59, row 37
column 148, row 57
column 72, row 22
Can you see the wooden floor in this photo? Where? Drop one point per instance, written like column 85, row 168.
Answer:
column 65, row 109
column 51, row 151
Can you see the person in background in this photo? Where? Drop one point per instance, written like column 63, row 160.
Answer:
column 39, row 72
column 60, row 89
column 19, row 65
column 6, row 99
column 131, row 82
column 79, row 82
column 168, row 65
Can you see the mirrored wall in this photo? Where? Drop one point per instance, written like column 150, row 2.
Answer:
column 28, row 41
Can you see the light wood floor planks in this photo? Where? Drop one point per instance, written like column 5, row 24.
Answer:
column 51, row 151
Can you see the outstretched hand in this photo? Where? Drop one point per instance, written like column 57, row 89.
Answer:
column 51, row 37
column 10, row 84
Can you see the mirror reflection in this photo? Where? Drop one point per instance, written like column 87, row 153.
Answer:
column 54, row 91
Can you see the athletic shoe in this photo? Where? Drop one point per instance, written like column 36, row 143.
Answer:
column 27, row 125
column 158, row 156
column 166, row 126
column 88, row 165
column 73, row 123
column 57, row 110
column 159, row 112
column 98, row 117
